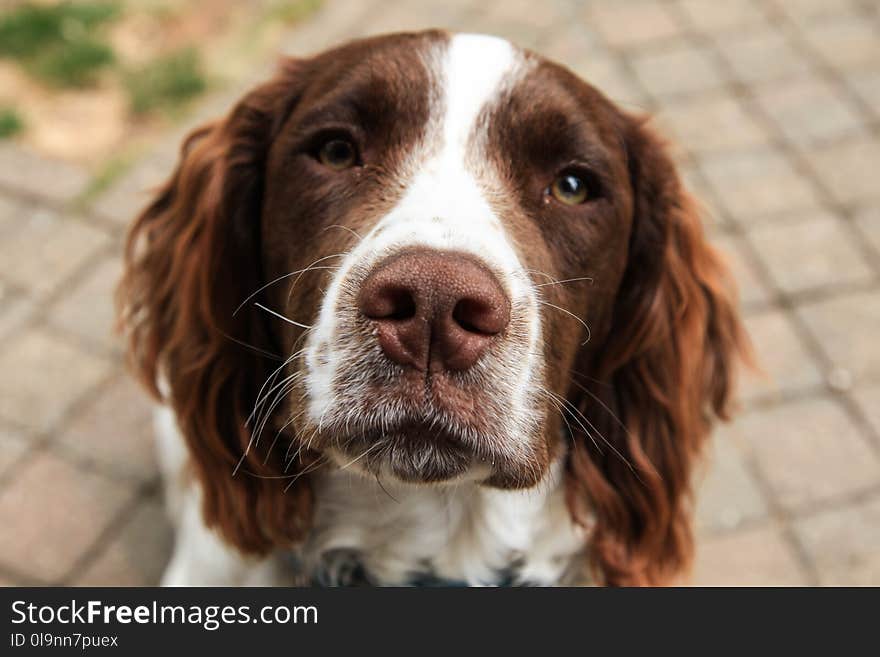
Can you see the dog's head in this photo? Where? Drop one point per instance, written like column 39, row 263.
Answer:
column 434, row 258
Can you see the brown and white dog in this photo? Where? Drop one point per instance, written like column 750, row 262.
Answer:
column 428, row 308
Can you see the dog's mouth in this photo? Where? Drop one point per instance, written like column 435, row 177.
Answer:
column 414, row 451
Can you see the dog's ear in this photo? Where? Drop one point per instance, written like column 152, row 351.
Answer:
column 663, row 374
column 191, row 257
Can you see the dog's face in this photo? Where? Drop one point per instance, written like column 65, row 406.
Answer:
column 434, row 258
column 451, row 218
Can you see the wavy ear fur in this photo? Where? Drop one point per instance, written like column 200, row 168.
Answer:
column 664, row 373
column 191, row 257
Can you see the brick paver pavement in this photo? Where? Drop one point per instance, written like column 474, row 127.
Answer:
column 774, row 106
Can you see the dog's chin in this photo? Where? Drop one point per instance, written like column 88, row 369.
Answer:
column 413, row 454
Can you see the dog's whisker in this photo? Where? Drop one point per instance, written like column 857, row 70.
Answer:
column 279, row 397
column 576, row 414
column 270, row 378
column 570, row 314
column 300, row 275
column 567, row 280
column 287, row 275
column 596, row 398
column 310, row 468
column 278, row 434
column 259, row 350
column 346, row 228
column 353, row 461
column 280, row 316
column 259, row 422
column 562, row 411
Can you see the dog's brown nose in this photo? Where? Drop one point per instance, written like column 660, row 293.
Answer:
column 434, row 309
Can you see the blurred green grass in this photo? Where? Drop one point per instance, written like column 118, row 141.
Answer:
column 11, row 122
column 67, row 45
column 166, row 82
column 59, row 44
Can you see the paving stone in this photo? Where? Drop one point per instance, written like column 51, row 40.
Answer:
column 846, row 330
column 676, row 70
column 711, row 122
column 847, row 168
column 43, row 377
column 806, row 12
column 712, row 17
column 329, row 24
column 520, row 33
column 633, row 23
column 547, row 17
column 400, row 17
column 762, row 55
column 815, row 252
column 138, row 556
column 115, row 431
column 705, row 198
column 607, row 74
column 844, row 543
column 754, row 557
column 758, row 182
column 866, row 84
column 752, row 290
column 47, row 249
column 808, row 111
column 868, row 399
column 572, row 42
column 130, row 194
column 809, row 451
column 15, row 309
column 728, row 496
column 846, row 42
column 67, row 509
column 12, row 447
column 10, row 213
column 88, row 310
column 868, row 220
column 786, row 365
column 25, row 171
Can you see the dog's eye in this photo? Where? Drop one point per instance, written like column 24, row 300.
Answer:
column 338, row 154
column 570, row 189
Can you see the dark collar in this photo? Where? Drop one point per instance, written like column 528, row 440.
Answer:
column 344, row 567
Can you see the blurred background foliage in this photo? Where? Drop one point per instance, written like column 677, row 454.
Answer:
column 124, row 68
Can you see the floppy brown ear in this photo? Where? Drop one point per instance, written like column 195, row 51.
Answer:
column 664, row 373
column 191, row 257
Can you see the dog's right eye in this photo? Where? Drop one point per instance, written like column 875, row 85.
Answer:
column 570, row 189
column 338, row 154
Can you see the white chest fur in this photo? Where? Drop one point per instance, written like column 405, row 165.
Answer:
column 463, row 534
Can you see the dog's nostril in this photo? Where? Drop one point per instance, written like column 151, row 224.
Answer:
column 404, row 306
column 477, row 316
column 394, row 303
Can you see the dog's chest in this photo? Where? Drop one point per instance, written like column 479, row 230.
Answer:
column 459, row 536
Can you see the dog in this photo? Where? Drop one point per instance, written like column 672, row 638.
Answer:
column 427, row 308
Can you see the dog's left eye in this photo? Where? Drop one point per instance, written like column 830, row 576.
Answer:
column 570, row 189
column 338, row 154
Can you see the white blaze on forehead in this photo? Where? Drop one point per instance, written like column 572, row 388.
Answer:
column 474, row 69
column 444, row 206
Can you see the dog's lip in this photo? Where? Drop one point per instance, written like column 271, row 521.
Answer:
column 415, row 451
column 412, row 430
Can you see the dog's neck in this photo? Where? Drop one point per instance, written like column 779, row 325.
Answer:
column 367, row 533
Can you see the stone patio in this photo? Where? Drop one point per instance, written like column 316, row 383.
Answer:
column 775, row 109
